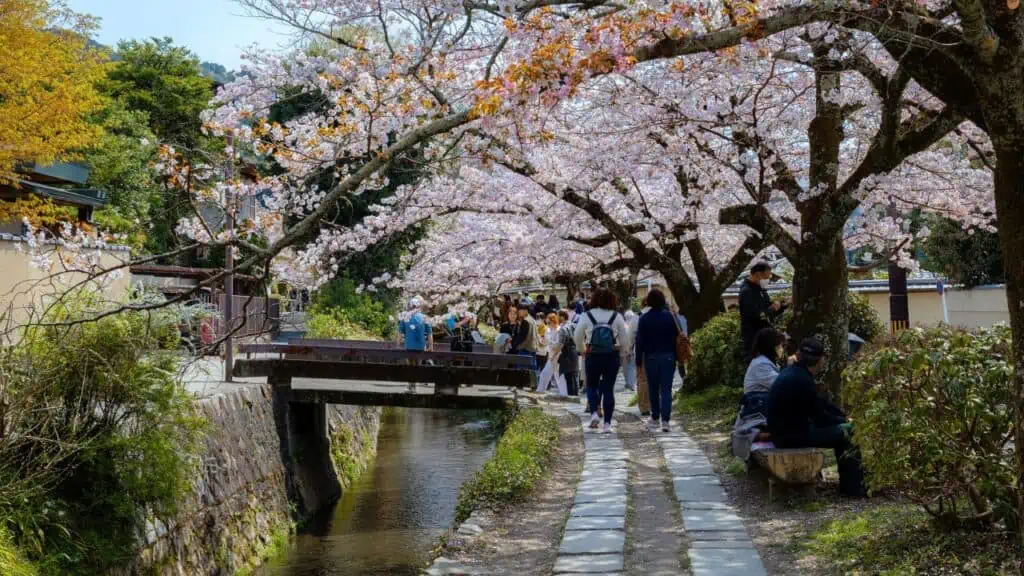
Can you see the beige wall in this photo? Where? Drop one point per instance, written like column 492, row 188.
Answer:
column 981, row 307
column 978, row 308
column 23, row 285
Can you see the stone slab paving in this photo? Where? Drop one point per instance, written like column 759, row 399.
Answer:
column 595, row 535
column 718, row 542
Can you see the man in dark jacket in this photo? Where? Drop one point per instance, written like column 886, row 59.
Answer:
column 757, row 311
column 799, row 418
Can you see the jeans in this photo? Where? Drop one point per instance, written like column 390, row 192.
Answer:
column 531, row 355
column 851, row 474
column 629, row 372
column 601, row 372
column 660, row 369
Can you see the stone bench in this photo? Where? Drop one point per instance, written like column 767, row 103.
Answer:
column 799, row 466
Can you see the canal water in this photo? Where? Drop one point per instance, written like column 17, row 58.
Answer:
column 394, row 515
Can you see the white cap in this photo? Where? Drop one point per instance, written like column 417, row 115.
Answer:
column 415, row 302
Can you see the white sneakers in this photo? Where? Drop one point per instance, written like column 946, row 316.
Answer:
column 595, row 421
column 607, row 428
column 652, row 425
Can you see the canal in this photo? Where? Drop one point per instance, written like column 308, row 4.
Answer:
column 394, row 515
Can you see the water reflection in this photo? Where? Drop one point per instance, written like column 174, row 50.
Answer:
column 388, row 522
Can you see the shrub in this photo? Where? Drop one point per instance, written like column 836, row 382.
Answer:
column 864, row 320
column 339, row 299
column 717, row 354
column 519, row 461
column 934, row 420
column 97, row 434
column 335, row 324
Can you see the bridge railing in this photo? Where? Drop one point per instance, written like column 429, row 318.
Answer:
column 375, row 344
column 367, row 352
column 448, row 370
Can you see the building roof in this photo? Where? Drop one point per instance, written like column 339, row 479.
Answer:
column 160, row 270
column 77, row 196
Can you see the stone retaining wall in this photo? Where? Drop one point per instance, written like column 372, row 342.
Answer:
column 239, row 510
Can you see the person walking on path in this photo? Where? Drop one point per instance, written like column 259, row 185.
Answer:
column 415, row 331
column 550, row 373
column 656, row 350
column 604, row 337
column 684, row 327
column 642, row 388
column 629, row 367
column 567, row 355
column 757, row 311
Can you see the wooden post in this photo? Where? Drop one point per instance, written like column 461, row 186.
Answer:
column 229, row 276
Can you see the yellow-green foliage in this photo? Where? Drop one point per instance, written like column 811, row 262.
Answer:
column 519, row 461
column 898, row 539
column 12, row 562
column 349, row 452
column 711, row 409
column 335, row 324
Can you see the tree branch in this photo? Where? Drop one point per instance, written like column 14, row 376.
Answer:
column 757, row 218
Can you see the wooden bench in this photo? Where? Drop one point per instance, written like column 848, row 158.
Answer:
column 799, row 466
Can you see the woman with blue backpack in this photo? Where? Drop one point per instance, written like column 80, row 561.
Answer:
column 603, row 338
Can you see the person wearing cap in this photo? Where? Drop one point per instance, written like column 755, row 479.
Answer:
column 415, row 331
column 799, row 418
column 757, row 311
column 526, row 339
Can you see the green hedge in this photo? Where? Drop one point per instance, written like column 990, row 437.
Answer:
column 718, row 347
column 717, row 354
column 519, row 461
column 934, row 420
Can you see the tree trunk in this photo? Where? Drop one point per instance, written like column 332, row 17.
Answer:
column 819, row 303
column 1009, row 192
column 697, row 307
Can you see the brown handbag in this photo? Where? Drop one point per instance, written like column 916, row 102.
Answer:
column 683, row 350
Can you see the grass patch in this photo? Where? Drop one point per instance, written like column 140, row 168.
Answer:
column 274, row 548
column 12, row 562
column 711, row 410
column 900, row 539
column 735, row 467
column 519, row 461
column 351, row 454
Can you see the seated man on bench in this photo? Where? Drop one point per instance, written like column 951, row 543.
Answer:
column 799, row 418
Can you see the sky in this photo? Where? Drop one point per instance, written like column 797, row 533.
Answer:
column 216, row 30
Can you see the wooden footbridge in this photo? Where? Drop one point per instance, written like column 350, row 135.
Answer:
column 357, row 372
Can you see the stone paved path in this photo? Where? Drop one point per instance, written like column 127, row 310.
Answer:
column 654, row 527
column 595, row 535
column 718, row 541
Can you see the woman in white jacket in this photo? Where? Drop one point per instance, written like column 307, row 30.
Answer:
column 550, row 373
column 604, row 339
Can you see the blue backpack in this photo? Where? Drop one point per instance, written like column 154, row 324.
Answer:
column 602, row 339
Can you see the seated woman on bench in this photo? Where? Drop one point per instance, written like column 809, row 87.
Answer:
column 761, row 373
column 799, row 418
